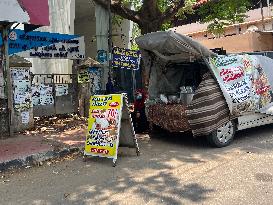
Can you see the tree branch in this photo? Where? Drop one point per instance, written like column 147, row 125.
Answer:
column 118, row 8
column 172, row 10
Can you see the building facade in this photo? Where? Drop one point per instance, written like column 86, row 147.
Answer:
column 254, row 34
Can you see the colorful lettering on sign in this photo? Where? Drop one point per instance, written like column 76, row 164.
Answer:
column 103, row 124
column 231, row 74
column 125, row 58
column 100, row 151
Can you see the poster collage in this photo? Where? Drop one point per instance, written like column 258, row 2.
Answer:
column 93, row 76
column 27, row 95
column 245, row 82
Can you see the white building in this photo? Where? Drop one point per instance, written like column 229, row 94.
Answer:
column 62, row 15
column 77, row 17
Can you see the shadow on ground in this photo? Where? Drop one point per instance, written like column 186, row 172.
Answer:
column 161, row 175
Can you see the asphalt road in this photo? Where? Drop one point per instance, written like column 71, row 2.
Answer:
column 171, row 170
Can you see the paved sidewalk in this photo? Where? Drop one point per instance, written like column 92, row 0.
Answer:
column 28, row 149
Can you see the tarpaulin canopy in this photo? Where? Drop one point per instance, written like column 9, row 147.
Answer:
column 172, row 46
column 34, row 12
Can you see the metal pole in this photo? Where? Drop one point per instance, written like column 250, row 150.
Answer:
column 9, row 90
column 110, row 38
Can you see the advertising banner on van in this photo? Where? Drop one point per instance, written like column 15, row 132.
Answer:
column 244, row 81
column 46, row 45
column 34, row 12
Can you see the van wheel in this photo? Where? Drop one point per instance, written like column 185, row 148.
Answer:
column 223, row 136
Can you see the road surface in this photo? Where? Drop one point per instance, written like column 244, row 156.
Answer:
column 175, row 169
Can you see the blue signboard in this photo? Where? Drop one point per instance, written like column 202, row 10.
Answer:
column 102, row 56
column 125, row 58
column 45, row 45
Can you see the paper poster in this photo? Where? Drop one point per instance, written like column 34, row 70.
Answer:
column 125, row 58
column 245, row 82
column 42, row 94
column 46, row 95
column 61, row 89
column 21, row 88
column 83, row 77
column 95, row 75
column 35, row 94
column 2, row 92
column 46, row 100
column 2, row 85
column 102, row 56
column 25, row 117
column 20, row 74
column 2, row 82
column 103, row 125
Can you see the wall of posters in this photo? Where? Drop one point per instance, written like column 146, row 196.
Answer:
column 125, row 58
column 21, row 88
column 103, row 125
column 244, row 81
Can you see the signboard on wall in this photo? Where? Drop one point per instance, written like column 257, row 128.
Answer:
column 109, row 126
column 125, row 58
column 46, row 45
column 34, row 12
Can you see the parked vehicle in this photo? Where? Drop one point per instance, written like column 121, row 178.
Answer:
column 192, row 88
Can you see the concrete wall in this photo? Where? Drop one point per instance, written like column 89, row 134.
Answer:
column 85, row 25
column 62, row 15
column 242, row 43
column 123, row 34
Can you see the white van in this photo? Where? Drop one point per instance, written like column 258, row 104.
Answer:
column 192, row 88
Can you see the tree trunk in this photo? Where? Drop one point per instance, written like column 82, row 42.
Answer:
column 146, row 27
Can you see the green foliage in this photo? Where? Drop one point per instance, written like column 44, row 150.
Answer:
column 217, row 13
column 136, row 33
column 222, row 13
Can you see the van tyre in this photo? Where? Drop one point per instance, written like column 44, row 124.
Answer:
column 223, row 136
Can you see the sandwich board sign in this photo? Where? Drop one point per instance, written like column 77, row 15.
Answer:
column 109, row 127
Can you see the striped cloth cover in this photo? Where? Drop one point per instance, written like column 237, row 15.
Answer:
column 208, row 110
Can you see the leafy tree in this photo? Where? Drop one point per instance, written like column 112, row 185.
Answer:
column 155, row 15
column 222, row 13
column 149, row 15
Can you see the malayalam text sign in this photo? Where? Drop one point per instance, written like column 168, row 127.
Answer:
column 37, row 44
column 125, row 58
column 103, row 125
